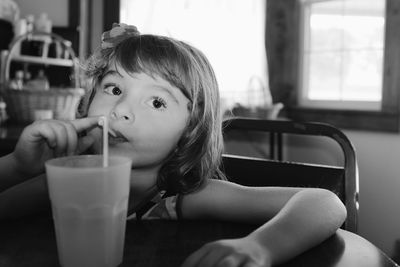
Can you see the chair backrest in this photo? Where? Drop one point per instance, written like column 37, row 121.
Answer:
column 342, row 180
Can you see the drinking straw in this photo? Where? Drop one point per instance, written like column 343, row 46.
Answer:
column 104, row 122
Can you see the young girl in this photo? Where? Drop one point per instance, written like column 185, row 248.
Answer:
column 162, row 101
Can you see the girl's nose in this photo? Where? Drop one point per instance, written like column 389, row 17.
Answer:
column 123, row 113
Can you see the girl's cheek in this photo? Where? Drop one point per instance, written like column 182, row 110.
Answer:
column 100, row 106
column 95, row 109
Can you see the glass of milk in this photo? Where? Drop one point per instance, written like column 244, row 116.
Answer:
column 89, row 204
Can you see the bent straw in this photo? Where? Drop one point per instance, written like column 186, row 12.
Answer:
column 104, row 122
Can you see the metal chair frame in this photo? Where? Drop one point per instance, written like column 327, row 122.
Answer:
column 277, row 128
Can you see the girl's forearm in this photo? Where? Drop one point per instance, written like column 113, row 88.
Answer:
column 24, row 199
column 10, row 172
column 309, row 217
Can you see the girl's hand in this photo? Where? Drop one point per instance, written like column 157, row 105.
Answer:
column 244, row 252
column 46, row 139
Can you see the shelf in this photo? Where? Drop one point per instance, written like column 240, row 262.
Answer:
column 44, row 60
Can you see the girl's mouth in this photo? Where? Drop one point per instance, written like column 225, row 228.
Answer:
column 116, row 138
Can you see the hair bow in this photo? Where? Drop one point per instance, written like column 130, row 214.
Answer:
column 118, row 33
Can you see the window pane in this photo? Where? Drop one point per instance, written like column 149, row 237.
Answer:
column 362, row 75
column 324, row 76
column 363, row 32
column 326, row 34
column 343, row 50
column 325, row 25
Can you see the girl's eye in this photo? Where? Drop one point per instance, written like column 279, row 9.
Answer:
column 158, row 103
column 112, row 90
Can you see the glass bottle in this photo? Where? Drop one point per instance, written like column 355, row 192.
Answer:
column 18, row 82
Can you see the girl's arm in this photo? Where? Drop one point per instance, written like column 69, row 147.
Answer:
column 27, row 198
column 40, row 141
column 10, row 172
column 293, row 221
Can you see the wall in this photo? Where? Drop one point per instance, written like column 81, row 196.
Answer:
column 57, row 10
column 379, row 163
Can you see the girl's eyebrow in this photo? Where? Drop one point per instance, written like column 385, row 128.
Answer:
column 112, row 73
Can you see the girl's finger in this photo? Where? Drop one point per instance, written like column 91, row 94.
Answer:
column 72, row 138
column 206, row 256
column 251, row 264
column 39, row 132
column 232, row 260
column 50, row 136
column 195, row 258
column 84, row 144
column 61, row 138
column 85, row 123
column 213, row 258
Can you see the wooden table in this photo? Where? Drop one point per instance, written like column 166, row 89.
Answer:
column 31, row 242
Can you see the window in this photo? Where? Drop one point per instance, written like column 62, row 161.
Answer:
column 336, row 61
column 342, row 53
column 229, row 32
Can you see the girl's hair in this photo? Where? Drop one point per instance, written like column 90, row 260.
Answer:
column 198, row 154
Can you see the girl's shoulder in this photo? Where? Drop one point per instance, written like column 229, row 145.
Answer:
column 161, row 206
column 169, row 206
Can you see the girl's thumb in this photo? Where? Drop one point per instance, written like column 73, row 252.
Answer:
column 84, row 144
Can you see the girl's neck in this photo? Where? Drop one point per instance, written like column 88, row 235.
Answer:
column 143, row 186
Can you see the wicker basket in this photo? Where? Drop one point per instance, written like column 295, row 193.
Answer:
column 22, row 104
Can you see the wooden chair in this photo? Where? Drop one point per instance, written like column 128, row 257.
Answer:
column 342, row 180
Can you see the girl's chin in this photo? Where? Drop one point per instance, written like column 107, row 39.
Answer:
column 114, row 149
column 120, row 150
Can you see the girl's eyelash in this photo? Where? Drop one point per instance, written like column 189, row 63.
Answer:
column 160, row 102
column 112, row 89
column 156, row 102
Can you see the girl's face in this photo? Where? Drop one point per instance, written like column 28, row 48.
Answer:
column 147, row 116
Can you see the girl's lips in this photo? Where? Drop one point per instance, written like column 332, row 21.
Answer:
column 115, row 137
column 111, row 132
column 112, row 140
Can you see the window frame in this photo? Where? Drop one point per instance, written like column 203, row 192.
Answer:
column 110, row 13
column 282, row 43
column 304, row 62
column 283, row 52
